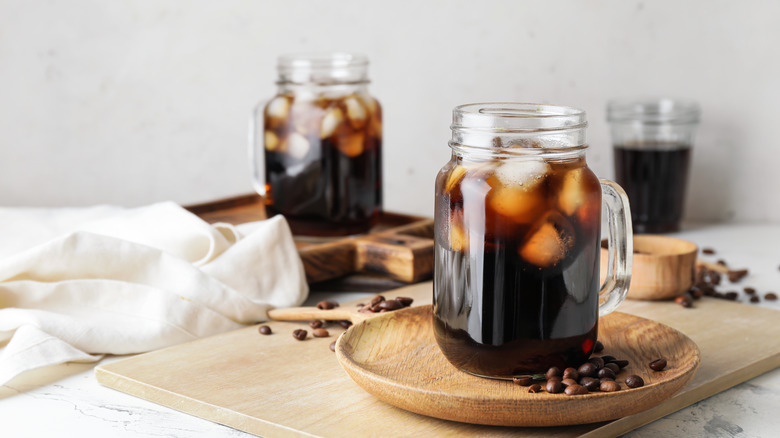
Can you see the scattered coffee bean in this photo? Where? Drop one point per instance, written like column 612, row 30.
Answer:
column 590, row 383
column 264, row 330
column 612, row 366
column 658, row 364
column 708, row 251
column 553, row 371
column 622, row 363
column 576, row 390
column 731, row 296
column 522, row 380
column 605, row 373
column 597, row 362
column 587, row 370
column 715, row 277
column 608, row 358
column 568, row 382
column 345, row 323
column 755, row 299
column 571, row 373
column 598, row 347
column 405, row 301
column 735, row 276
column 721, row 262
column 320, row 333
column 535, row 388
column 749, row 290
column 390, row 305
column 634, row 381
column 327, row 305
column 333, row 346
column 683, row 301
column 609, row 386
column 554, row 387
column 770, row 296
column 300, row 334
column 695, row 292
column 317, row 323
column 376, row 300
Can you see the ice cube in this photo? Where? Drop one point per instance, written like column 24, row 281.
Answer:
column 330, row 122
column 572, row 195
column 297, row 145
column 306, row 117
column 455, row 176
column 351, row 145
column 548, row 242
column 271, row 141
column 356, row 112
column 278, row 107
column 526, row 173
column 458, row 241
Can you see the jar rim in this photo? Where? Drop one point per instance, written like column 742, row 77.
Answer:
column 517, row 117
column 323, row 68
column 653, row 110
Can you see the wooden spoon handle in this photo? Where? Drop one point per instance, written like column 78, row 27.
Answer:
column 309, row 313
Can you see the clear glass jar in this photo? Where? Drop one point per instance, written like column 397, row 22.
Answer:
column 517, row 241
column 652, row 141
column 316, row 147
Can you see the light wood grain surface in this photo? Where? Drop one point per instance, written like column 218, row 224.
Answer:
column 277, row 386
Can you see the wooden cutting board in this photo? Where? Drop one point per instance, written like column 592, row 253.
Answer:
column 277, row 386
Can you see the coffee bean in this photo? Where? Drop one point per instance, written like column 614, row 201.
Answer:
column 755, row 299
column 389, row 305
column 612, row 366
column 327, row 305
column 657, row 365
column 622, row 363
column 735, row 276
column 598, row 347
column 695, row 292
column 568, row 382
column 708, row 251
column 553, row 371
column 264, row 330
column 576, row 390
column 300, row 334
column 376, row 300
column 333, row 346
column 609, row 386
column 558, row 378
column 554, row 387
column 634, row 381
column 587, row 370
column 522, row 380
column 732, row 296
column 714, row 278
column 608, row 358
column 770, row 296
column 749, row 290
column 345, row 323
column 721, row 262
column 317, row 323
column 535, row 388
column 597, row 361
column 405, row 301
column 605, row 373
column 683, row 301
column 571, row 373
column 320, row 333
column 590, row 383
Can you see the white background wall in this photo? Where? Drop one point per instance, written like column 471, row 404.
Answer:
column 130, row 102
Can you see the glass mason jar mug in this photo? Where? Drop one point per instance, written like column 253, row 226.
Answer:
column 316, row 147
column 517, row 232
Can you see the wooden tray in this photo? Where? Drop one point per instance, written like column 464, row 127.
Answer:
column 277, row 386
column 395, row 357
column 399, row 247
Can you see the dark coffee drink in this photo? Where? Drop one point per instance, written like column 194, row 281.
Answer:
column 517, row 248
column 654, row 177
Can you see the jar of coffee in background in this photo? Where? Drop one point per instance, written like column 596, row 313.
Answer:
column 316, row 147
column 652, row 141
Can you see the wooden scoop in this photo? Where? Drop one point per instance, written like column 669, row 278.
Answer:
column 349, row 313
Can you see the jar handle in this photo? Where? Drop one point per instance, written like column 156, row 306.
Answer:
column 257, row 148
column 621, row 247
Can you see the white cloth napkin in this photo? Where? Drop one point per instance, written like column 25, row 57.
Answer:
column 77, row 283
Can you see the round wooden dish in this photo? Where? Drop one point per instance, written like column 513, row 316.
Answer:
column 664, row 267
column 395, row 357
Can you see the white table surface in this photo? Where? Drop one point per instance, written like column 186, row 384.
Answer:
column 66, row 400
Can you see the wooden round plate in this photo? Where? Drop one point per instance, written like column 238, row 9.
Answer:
column 395, row 357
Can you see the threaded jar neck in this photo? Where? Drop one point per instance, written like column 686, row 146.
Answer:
column 323, row 69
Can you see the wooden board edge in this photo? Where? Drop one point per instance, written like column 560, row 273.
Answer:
column 195, row 408
column 684, row 399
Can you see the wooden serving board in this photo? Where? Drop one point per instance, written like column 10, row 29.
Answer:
column 399, row 247
column 278, row 386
